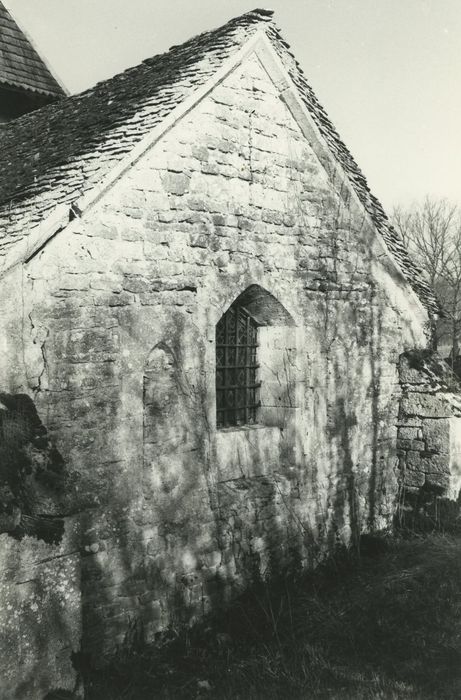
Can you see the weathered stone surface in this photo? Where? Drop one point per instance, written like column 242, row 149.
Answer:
column 436, row 434
column 414, row 479
column 176, row 183
column 414, row 462
column 178, row 516
column 436, row 464
column 455, row 458
column 424, row 406
column 418, row 445
column 404, row 444
column 439, row 481
column 408, row 433
column 416, row 377
column 40, row 615
column 428, row 427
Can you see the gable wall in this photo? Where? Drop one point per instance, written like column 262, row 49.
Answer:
column 175, row 515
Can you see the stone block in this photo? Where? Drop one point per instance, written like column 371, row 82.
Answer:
column 273, row 217
column 147, row 180
column 108, row 232
column 413, row 461
column 409, row 375
column 436, row 464
column 175, row 183
column 211, row 168
column 424, row 406
column 136, row 284
column 418, row 445
column 406, row 433
column 414, row 479
column 134, row 213
column 197, row 204
column 440, row 481
column 228, row 220
column 200, row 152
column 404, row 444
column 130, row 233
column 246, row 224
column 289, row 220
column 436, row 433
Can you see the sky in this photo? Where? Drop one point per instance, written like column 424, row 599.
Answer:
column 387, row 71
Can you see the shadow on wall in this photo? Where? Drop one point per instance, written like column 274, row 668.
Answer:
column 367, row 458
column 429, row 443
column 40, row 615
column 33, row 481
column 264, row 528
column 198, row 536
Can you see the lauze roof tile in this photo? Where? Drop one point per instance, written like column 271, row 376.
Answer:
column 62, row 151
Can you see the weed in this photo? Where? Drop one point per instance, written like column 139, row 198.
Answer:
column 383, row 625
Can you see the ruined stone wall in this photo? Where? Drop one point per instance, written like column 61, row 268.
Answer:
column 117, row 330
column 40, row 592
column 40, row 615
column 429, row 445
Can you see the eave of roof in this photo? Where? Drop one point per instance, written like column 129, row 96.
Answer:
column 61, row 152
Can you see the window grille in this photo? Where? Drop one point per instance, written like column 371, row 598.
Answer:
column 236, row 368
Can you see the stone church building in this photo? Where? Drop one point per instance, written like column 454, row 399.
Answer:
column 208, row 336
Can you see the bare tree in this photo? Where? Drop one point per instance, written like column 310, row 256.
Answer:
column 431, row 232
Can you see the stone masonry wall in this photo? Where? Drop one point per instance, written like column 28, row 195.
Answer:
column 428, row 436
column 40, row 591
column 115, row 340
column 40, row 615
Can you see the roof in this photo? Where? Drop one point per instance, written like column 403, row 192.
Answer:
column 62, row 151
column 21, row 68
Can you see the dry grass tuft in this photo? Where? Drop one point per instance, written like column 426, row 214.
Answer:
column 385, row 626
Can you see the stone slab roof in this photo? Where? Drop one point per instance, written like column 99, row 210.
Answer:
column 60, row 152
column 21, row 68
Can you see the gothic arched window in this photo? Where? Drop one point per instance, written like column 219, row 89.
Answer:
column 237, row 388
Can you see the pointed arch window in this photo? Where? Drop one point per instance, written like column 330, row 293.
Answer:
column 237, row 386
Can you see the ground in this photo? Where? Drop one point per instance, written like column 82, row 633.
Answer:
column 381, row 623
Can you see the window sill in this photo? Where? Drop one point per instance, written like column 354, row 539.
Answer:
column 244, row 428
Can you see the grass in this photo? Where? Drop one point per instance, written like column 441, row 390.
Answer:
column 386, row 625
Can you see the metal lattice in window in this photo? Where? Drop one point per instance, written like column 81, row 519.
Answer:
column 236, row 368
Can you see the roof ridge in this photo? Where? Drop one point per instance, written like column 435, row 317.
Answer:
column 63, row 151
column 256, row 16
